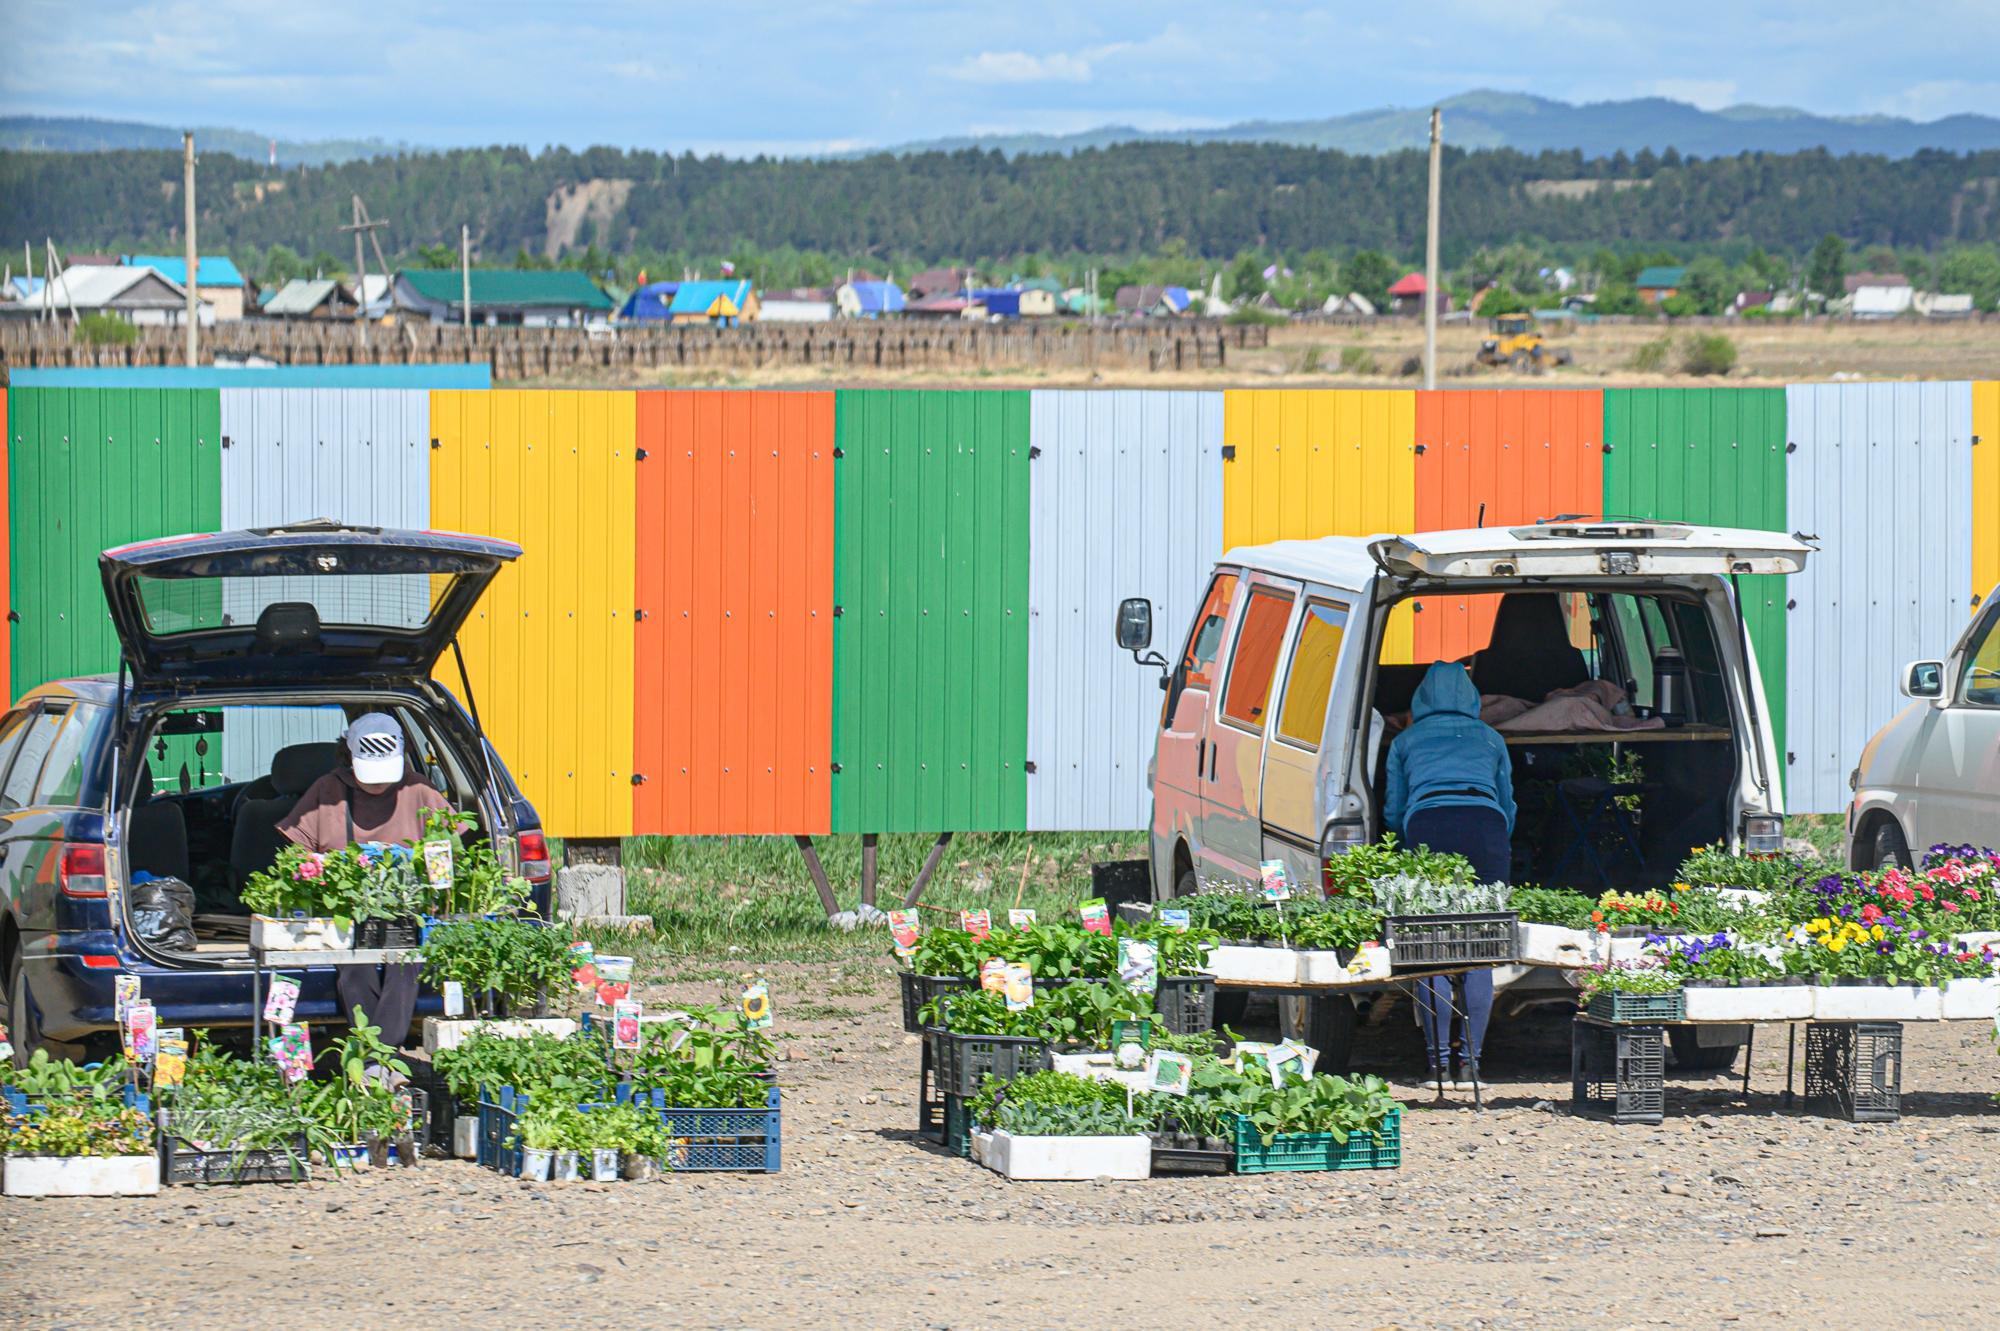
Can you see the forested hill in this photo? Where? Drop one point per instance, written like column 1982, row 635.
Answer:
column 1206, row 199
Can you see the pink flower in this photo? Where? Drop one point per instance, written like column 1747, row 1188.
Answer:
column 1950, row 906
column 310, row 868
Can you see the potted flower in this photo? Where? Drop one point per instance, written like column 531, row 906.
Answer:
column 1057, row 1126
column 540, row 1131
column 80, row 1147
column 1633, row 992
column 303, row 902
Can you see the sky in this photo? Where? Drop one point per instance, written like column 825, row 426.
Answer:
column 812, row 76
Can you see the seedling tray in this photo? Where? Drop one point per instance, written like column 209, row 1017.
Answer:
column 1426, row 942
column 1297, row 1152
column 1639, row 1009
column 184, row 1160
column 1178, row 1159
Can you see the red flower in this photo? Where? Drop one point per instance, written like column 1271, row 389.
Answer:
column 1870, row 914
column 1951, row 906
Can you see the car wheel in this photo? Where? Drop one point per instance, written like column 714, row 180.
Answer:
column 1330, row 1029
column 1890, row 847
column 1692, row 1057
column 1230, row 1004
column 22, row 1029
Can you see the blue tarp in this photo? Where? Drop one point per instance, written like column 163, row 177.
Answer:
column 878, row 298
column 1004, row 303
column 650, row 302
column 271, row 376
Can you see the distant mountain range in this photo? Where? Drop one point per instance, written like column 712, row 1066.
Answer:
column 1471, row 120
column 1534, row 124
column 78, row 134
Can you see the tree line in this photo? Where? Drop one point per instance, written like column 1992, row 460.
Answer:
column 1151, row 211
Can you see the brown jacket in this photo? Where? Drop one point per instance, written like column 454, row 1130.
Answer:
column 334, row 812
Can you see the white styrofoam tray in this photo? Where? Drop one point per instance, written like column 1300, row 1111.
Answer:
column 1063, row 1159
column 450, row 1033
column 1789, row 1002
column 1254, row 965
column 81, row 1175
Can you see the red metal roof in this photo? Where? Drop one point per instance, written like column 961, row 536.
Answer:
column 1410, row 284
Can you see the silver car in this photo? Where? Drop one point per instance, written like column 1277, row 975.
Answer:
column 1932, row 775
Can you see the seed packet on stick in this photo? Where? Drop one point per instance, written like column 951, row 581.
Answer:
column 437, row 862
column 282, row 1000
column 291, row 1049
column 1175, row 918
column 993, row 975
column 903, row 928
column 124, row 993
column 1138, row 965
column 1096, row 916
column 170, row 1062
column 140, row 1027
column 1020, row 986
column 1021, row 917
column 1169, row 1073
column 1276, row 880
column 756, row 1005
column 625, row 1024
column 978, row 923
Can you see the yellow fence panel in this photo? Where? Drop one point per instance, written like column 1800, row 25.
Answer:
column 550, row 648
column 1985, row 487
column 1321, row 462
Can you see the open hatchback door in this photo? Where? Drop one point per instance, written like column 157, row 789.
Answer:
column 1568, row 549
column 309, row 603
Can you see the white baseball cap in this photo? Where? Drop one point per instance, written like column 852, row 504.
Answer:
column 375, row 744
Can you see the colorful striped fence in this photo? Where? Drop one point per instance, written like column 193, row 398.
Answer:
column 785, row 612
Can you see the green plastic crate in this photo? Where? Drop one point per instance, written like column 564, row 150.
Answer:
column 1640, row 1009
column 1294, row 1152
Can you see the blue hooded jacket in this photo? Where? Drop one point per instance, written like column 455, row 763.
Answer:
column 1448, row 756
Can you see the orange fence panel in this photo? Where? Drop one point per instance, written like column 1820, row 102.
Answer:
column 1523, row 454
column 733, row 680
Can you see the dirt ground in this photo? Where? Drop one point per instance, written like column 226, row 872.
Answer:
column 1521, row 1216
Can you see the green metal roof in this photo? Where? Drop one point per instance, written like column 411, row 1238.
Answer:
column 562, row 288
column 1662, row 276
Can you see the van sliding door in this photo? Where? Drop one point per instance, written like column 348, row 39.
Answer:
column 1232, row 796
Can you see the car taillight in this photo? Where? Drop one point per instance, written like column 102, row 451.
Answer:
column 534, row 857
column 1763, row 834
column 82, row 870
column 1338, row 840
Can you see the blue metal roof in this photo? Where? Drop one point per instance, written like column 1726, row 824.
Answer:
column 1177, row 297
column 1004, row 303
column 700, row 297
column 652, row 301
column 211, row 270
column 879, row 297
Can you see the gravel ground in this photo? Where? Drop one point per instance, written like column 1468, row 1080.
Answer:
column 1522, row 1216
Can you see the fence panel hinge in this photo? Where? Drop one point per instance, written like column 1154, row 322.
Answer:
column 435, row 445
column 1229, row 452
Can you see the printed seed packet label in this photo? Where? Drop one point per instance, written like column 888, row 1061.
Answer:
column 291, row 1050
column 1129, row 1043
column 1020, row 986
column 437, row 862
column 1277, row 881
column 903, row 928
column 1096, row 916
column 454, row 999
column 124, row 993
column 170, row 1063
column 283, row 998
column 1250, row 1052
column 1020, row 919
column 140, row 1045
column 978, row 923
column 625, row 1024
column 1139, row 965
column 617, row 970
column 608, row 994
column 583, row 965
column 1287, row 1063
column 1169, row 1073
column 1174, row 918
column 756, row 1005
column 6, row 1042
column 993, row 975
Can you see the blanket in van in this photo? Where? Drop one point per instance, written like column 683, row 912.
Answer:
column 1594, row 706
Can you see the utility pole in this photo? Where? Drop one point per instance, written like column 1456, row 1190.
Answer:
column 1431, row 261
column 363, row 226
column 465, row 274
column 193, row 261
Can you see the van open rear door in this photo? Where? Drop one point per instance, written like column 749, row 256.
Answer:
column 1623, row 548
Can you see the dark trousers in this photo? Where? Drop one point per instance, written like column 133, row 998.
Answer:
column 387, row 995
column 1479, row 834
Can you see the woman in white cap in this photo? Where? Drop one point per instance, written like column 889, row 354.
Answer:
column 373, row 796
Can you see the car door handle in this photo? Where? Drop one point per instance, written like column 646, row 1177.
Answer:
column 1200, row 758
column 1213, row 749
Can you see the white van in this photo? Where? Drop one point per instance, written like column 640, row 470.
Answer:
column 1279, row 707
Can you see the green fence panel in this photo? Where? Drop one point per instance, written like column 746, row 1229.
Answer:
column 1715, row 456
column 91, row 468
column 930, row 588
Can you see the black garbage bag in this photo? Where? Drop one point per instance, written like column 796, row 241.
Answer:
column 163, row 914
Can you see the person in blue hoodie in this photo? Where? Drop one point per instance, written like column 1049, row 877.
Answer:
column 1451, row 788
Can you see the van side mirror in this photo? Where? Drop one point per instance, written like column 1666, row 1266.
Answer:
column 1923, row 679
column 1135, row 623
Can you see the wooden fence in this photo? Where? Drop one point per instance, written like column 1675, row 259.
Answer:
column 540, row 353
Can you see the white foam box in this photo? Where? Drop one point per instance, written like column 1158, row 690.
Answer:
column 443, row 1033
column 270, row 934
column 1554, row 945
column 1970, row 1000
column 1063, row 1159
column 81, row 1175
column 1254, row 965
column 1321, row 968
column 1874, row 1002
column 1789, row 1002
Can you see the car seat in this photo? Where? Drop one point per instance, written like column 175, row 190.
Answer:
column 1530, row 653
column 255, row 839
column 156, row 838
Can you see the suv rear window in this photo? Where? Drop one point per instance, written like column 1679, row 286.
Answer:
column 190, row 605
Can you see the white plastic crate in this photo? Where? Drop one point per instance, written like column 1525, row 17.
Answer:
column 270, row 934
column 1254, row 965
column 1554, row 945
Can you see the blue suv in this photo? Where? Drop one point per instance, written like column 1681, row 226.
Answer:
column 245, row 655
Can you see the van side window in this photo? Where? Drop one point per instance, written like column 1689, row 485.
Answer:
column 1255, row 662
column 28, row 762
column 1981, row 685
column 1310, row 682
column 1197, row 666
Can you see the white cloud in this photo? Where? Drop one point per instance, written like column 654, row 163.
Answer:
column 1020, row 67
column 1708, row 94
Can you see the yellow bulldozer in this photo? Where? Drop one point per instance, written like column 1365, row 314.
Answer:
column 1519, row 345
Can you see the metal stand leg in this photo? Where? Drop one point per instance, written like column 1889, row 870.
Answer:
column 1791, row 1053
column 256, row 1003
column 868, row 841
column 1749, row 1056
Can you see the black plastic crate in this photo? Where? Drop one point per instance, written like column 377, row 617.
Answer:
column 189, row 1154
column 436, row 1127
column 388, row 933
column 1173, row 1154
column 1854, row 1070
column 956, row 1122
column 964, row 1062
column 1426, row 942
column 921, row 989
column 1121, row 881
column 1639, row 1009
column 930, row 1100
column 1618, row 1072
column 1186, row 1003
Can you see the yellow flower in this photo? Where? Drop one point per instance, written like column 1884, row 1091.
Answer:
column 1836, row 944
column 1680, row 887
column 1818, row 926
column 1877, row 931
